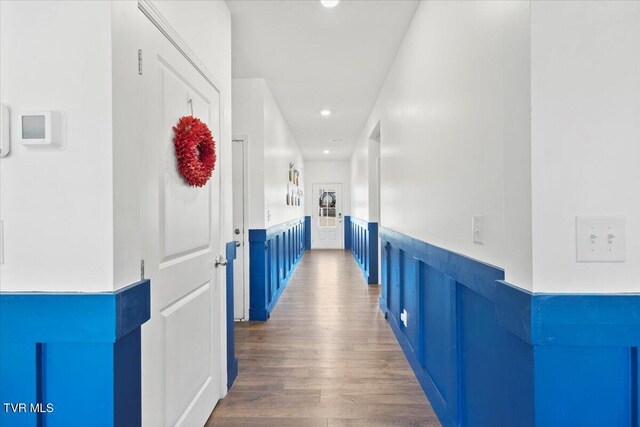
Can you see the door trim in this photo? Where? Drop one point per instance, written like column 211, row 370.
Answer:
column 246, row 202
column 151, row 11
column 340, row 228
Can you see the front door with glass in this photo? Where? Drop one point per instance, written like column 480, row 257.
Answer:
column 327, row 225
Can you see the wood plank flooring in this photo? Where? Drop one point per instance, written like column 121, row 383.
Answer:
column 326, row 357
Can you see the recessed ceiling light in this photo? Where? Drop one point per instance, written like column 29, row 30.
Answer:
column 326, row 151
column 329, row 3
column 325, row 112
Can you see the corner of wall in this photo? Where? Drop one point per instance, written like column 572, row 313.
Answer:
column 49, row 32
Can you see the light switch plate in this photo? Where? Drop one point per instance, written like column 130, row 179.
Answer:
column 600, row 238
column 477, row 229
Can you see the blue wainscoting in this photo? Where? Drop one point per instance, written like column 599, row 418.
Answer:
column 273, row 255
column 347, row 232
column 362, row 238
column 307, row 233
column 78, row 352
column 490, row 354
column 232, row 360
column 586, row 359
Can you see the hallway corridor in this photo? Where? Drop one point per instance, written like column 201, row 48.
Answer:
column 326, row 357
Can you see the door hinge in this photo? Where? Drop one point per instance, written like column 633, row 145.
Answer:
column 139, row 62
column 141, row 269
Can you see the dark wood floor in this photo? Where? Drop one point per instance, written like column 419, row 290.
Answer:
column 326, row 357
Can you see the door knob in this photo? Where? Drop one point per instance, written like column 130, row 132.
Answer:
column 238, row 243
column 237, row 231
column 220, row 260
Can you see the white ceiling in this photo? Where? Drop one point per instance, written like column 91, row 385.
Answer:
column 314, row 58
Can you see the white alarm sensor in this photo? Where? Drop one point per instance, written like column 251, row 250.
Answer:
column 39, row 129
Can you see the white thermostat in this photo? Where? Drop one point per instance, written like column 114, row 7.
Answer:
column 5, row 134
column 39, row 129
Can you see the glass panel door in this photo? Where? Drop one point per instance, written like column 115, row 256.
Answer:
column 327, row 208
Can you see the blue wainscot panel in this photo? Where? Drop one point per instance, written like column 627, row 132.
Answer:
column 307, row 233
column 474, row 371
column 73, row 359
column 490, row 354
column 347, row 232
column 273, row 255
column 586, row 359
column 232, row 360
column 362, row 238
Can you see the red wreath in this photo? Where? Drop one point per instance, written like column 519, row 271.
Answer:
column 195, row 150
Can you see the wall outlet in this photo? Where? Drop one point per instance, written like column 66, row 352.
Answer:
column 403, row 317
column 477, row 229
column 600, row 238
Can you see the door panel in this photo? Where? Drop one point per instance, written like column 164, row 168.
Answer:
column 187, row 213
column 182, row 342
column 188, row 356
column 327, row 226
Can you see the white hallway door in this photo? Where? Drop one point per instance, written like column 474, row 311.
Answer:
column 327, row 227
column 182, row 342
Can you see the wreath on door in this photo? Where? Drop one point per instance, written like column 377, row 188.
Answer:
column 195, row 150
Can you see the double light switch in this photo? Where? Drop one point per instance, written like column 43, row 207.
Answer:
column 600, row 238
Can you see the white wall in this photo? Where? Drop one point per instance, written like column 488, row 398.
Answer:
column 327, row 172
column 271, row 147
column 374, row 154
column 127, row 102
column 524, row 113
column 248, row 121
column 280, row 149
column 442, row 123
column 585, row 80
column 71, row 217
column 57, row 205
column 364, row 174
column 516, row 135
column 360, row 179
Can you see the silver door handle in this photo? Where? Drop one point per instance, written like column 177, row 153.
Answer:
column 220, row 260
column 238, row 243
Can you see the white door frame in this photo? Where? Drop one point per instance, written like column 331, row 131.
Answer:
column 246, row 201
column 379, row 207
column 148, row 8
column 314, row 214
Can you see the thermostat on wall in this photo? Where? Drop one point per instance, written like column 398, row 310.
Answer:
column 39, row 129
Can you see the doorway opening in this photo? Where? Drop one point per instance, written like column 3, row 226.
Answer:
column 326, row 221
column 240, row 220
column 374, row 152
